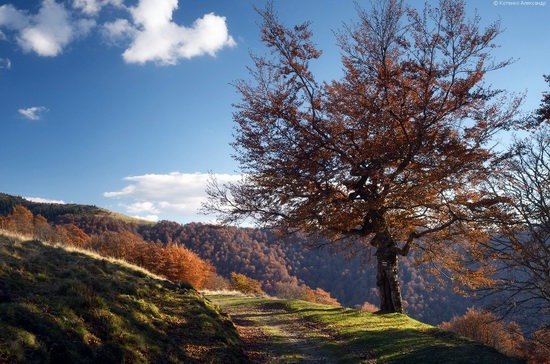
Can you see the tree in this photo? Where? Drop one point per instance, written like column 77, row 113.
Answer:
column 542, row 114
column 392, row 156
column 42, row 230
column 522, row 246
column 23, row 220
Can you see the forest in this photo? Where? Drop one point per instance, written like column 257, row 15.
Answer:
column 277, row 262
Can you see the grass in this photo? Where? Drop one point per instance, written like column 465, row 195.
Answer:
column 390, row 338
column 67, row 306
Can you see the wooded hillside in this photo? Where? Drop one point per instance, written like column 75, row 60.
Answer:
column 278, row 262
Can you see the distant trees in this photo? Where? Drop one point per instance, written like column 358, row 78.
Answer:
column 393, row 156
column 172, row 261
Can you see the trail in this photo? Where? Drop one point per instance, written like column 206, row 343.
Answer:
column 274, row 335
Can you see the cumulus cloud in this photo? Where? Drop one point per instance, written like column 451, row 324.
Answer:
column 175, row 193
column 44, row 200
column 155, row 37
column 33, row 113
column 46, row 33
column 149, row 34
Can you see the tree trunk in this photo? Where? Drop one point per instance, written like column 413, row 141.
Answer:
column 387, row 278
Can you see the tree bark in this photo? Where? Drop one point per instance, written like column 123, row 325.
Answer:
column 387, row 278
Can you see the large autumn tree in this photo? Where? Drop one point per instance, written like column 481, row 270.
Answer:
column 390, row 157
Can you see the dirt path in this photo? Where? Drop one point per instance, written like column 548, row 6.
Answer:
column 274, row 335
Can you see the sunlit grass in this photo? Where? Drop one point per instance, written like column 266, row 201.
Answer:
column 390, row 338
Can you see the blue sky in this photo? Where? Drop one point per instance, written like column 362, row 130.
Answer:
column 126, row 104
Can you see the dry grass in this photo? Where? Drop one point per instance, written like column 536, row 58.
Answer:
column 21, row 238
column 60, row 304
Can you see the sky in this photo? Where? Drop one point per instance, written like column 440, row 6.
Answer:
column 127, row 104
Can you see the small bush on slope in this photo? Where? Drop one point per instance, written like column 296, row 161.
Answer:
column 60, row 306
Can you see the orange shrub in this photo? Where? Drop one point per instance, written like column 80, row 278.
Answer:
column 488, row 329
column 537, row 349
column 181, row 264
column 242, row 283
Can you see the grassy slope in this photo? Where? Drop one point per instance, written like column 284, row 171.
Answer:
column 60, row 306
column 390, row 338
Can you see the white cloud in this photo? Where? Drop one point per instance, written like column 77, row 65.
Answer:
column 149, row 35
column 153, row 218
column 175, row 193
column 142, row 207
column 5, row 63
column 12, row 18
column 33, row 113
column 44, row 200
column 118, row 31
column 93, row 7
column 46, row 33
column 156, row 38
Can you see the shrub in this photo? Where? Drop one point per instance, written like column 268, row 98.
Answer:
column 304, row 293
column 367, row 307
column 537, row 349
column 488, row 329
column 242, row 283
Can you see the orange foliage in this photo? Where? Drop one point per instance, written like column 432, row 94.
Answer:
column 42, row 230
column 173, row 261
column 394, row 155
column 181, row 264
column 537, row 349
column 488, row 329
column 305, row 293
column 246, row 285
column 367, row 307
column 23, row 220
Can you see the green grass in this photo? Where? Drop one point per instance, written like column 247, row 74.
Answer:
column 70, row 307
column 390, row 338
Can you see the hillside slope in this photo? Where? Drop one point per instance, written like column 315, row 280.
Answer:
column 278, row 262
column 291, row 331
column 70, row 307
column 51, row 211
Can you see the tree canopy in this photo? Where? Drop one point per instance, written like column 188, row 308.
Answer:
column 392, row 156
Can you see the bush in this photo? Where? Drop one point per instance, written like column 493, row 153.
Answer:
column 367, row 307
column 537, row 349
column 242, row 283
column 488, row 329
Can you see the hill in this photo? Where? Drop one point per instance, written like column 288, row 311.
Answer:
column 291, row 331
column 281, row 263
column 64, row 306
column 51, row 211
